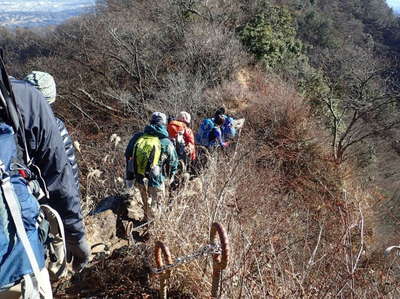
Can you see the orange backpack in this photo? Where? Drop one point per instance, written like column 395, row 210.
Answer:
column 174, row 127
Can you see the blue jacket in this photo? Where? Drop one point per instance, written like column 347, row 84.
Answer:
column 46, row 148
column 216, row 137
column 228, row 131
column 168, row 161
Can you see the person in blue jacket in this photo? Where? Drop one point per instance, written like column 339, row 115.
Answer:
column 168, row 164
column 216, row 138
column 45, row 146
column 227, row 129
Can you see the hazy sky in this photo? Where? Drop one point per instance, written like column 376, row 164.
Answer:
column 394, row 3
column 43, row 5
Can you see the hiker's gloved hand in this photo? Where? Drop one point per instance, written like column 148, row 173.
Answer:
column 129, row 183
column 79, row 253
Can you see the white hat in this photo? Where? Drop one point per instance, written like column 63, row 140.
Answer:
column 45, row 83
column 184, row 116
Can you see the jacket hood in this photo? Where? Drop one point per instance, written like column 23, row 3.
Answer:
column 156, row 130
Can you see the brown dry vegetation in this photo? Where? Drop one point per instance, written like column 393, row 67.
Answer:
column 299, row 224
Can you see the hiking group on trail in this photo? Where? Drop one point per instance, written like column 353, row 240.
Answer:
column 40, row 208
column 153, row 156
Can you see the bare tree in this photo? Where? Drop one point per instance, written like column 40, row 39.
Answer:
column 362, row 101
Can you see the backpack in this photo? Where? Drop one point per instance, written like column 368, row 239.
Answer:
column 203, row 133
column 19, row 212
column 228, row 130
column 146, row 154
column 180, row 146
column 176, row 129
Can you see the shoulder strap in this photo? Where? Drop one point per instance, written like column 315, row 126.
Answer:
column 15, row 210
column 7, row 101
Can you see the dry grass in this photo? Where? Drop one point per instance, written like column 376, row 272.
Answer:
column 298, row 225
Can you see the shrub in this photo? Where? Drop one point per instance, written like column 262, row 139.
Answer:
column 271, row 37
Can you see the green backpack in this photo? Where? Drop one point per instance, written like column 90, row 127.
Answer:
column 146, row 153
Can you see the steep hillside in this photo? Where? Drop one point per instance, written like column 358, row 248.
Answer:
column 301, row 192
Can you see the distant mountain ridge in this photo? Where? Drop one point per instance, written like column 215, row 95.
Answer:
column 28, row 13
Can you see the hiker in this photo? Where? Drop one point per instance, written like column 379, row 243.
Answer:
column 45, row 83
column 40, row 146
column 228, row 129
column 209, row 137
column 210, row 132
column 182, row 136
column 216, row 138
column 150, row 158
column 219, row 111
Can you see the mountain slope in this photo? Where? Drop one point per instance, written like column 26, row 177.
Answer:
column 301, row 222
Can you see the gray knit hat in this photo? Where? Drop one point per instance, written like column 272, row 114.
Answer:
column 158, row 118
column 45, row 83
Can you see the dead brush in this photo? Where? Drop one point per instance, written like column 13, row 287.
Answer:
column 185, row 226
column 293, row 231
column 297, row 225
column 102, row 170
column 276, row 241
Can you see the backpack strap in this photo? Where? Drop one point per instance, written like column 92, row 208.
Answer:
column 14, row 118
column 56, row 267
column 16, row 215
column 7, row 101
column 133, row 159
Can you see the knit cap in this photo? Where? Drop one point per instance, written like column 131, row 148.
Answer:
column 45, row 83
column 158, row 118
column 185, row 117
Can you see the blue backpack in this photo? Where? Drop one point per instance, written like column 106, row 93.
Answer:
column 204, row 131
column 21, row 250
column 16, row 201
column 228, row 131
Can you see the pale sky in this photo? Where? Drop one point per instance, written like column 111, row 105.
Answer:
column 394, row 3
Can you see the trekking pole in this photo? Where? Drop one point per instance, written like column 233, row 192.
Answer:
column 146, row 202
column 220, row 261
column 146, row 185
column 160, row 251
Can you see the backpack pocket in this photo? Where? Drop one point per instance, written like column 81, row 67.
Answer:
column 29, row 204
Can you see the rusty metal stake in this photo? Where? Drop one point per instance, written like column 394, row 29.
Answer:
column 162, row 251
column 220, row 261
